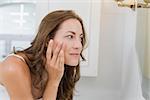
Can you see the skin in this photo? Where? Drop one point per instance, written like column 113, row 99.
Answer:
column 65, row 47
column 70, row 34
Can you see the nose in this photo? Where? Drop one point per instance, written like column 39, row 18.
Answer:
column 77, row 44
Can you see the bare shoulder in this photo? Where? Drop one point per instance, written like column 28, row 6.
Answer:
column 13, row 66
column 15, row 76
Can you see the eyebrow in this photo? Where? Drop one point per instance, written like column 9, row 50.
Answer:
column 74, row 32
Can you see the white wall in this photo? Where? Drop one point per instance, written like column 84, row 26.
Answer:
column 115, row 80
column 143, row 47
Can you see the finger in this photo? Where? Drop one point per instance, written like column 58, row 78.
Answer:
column 56, row 52
column 49, row 50
column 54, row 46
column 60, row 61
column 63, row 47
column 61, row 58
column 63, row 53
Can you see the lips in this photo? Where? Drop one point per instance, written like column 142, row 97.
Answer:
column 75, row 55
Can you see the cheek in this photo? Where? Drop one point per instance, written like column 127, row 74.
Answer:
column 66, row 47
column 66, row 44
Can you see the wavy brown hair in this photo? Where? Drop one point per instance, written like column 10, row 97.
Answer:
column 35, row 56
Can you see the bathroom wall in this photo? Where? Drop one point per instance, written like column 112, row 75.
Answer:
column 143, row 47
column 116, row 79
column 141, row 34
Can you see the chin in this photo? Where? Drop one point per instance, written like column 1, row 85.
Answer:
column 72, row 63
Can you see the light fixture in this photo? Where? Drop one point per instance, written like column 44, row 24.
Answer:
column 133, row 4
column 147, row 1
column 130, row 4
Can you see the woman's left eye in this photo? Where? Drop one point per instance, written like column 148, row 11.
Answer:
column 69, row 36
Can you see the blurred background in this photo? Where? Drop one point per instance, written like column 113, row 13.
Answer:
column 117, row 66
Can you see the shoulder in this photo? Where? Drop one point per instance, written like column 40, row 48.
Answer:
column 13, row 67
column 15, row 76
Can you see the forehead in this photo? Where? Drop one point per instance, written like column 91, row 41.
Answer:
column 71, row 25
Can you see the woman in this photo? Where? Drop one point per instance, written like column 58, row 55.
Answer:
column 49, row 68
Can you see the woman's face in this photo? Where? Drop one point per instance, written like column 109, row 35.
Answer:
column 70, row 33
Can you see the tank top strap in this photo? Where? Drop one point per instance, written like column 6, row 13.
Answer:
column 18, row 56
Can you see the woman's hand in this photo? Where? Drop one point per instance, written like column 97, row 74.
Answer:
column 55, row 62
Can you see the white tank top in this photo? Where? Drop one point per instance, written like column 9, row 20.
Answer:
column 3, row 91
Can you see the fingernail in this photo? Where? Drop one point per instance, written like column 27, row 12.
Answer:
column 51, row 40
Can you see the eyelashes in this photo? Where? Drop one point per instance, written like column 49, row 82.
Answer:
column 72, row 37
